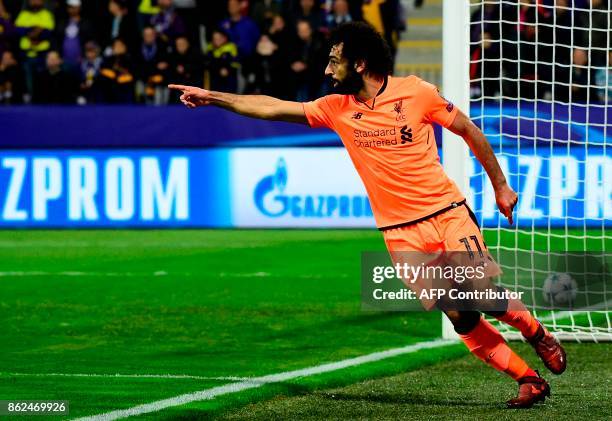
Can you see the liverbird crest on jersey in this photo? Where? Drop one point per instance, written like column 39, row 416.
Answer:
column 398, row 109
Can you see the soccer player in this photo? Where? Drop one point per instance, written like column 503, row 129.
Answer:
column 385, row 124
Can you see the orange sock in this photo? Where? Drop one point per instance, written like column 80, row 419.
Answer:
column 486, row 343
column 521, row 320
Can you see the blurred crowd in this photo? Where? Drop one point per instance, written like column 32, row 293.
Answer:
column 554, row 50
column 127, row 51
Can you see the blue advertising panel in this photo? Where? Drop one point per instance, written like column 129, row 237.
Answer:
column 272, row 187
column 153, row 188
column 558, row 186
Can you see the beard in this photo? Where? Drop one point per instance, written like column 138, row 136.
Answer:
column 351, row 85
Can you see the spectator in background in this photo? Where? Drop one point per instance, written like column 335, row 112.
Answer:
column 35, row 24
column 340, row 14
column 11, row 79
column 167, row 22
column 372, row 15
column 554, row 50
column 263, row 11
column 597, row 28
column 12, row 7
column 146, row 10
column 121, row 26
column 185, row 66
column 54, row 85
column 603, row 81
column 96, row 13
column 152, row 65
column 580, row 76
column 355, row 8
column 7, row 30
column 243, row 32
column 211, row 13
column 272, row 60
column 72, row 34
column 222, row 63
column 384, row 16
column 484, row 17
column 117, row 75
column 90, row 74
column 484, row 67
column 526, row 65
column 188, row 13
column 509, row 22
column 310, row 11
column 308, row 63
column 394, row 22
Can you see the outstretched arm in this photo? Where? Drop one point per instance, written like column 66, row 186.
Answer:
column 506, row 197
column 257, row 106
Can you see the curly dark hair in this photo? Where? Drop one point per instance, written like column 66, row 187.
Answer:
column 362, row 42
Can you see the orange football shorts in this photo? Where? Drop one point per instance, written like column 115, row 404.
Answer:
column 451, row 237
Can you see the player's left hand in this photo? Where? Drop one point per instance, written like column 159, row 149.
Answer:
column 506, row 200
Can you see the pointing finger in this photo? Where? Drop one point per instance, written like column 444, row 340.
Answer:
column 178, row 87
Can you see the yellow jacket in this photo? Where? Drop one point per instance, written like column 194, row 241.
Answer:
column 371, row 14
column 28, row 19
column 146, row 8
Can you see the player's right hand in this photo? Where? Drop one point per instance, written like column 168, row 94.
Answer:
column 192, row 96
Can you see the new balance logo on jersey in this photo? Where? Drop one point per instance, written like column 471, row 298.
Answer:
column 406, row 134
column 357, row 116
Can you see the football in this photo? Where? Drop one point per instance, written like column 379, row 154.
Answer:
column 559, row 288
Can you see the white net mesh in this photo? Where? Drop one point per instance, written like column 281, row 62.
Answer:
column 541, row 86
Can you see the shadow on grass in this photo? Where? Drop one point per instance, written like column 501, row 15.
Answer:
column 401, row 399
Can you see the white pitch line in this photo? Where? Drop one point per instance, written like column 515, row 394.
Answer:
column 16, row 274
column 8, row 274
column 256, row 382
column 129, row 376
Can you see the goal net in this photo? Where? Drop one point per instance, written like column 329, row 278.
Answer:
column 539, row 84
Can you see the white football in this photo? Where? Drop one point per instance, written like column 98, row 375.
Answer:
column 559, row 288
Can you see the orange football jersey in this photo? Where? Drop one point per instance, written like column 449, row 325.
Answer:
column 390, row 140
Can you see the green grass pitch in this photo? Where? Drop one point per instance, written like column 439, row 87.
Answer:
column 214, row 305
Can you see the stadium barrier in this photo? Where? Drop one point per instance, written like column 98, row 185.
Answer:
column 125, row 126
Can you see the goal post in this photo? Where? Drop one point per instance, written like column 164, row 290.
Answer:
column 535, row 77
column 455, row 82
